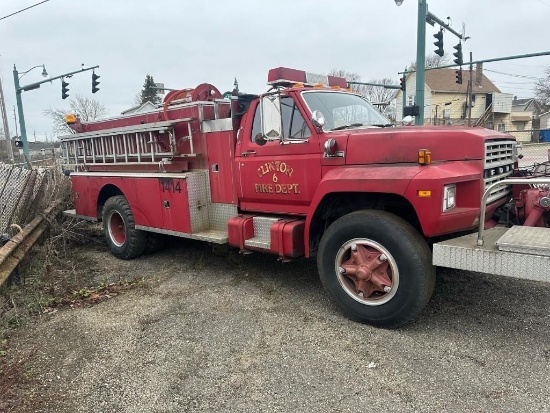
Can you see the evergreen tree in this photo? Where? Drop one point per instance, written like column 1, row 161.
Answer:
column 149, row 93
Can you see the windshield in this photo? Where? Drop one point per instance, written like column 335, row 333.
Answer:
column 343, row 110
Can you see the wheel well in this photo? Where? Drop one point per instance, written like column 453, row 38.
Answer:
column 335, row 205
column 106, row 192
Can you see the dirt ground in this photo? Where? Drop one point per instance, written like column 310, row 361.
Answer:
column 209, row 330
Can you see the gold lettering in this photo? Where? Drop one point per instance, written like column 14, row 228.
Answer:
column 286, row 189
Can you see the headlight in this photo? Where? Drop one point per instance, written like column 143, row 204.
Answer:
column 515, row 151
column 449, row 197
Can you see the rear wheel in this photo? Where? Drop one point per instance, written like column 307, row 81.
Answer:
column 376, row 267
column 155, row 242
column 125, row 241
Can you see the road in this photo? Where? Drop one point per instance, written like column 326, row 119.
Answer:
column 215, row 331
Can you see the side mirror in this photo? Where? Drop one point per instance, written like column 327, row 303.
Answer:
column 318, row 120
column 260, row 139
column 272, row 128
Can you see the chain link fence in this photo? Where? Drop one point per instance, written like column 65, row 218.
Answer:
column 25, row 193
column 533, row 146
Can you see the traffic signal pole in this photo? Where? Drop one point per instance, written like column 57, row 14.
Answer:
column 421, row 60
column 19, row 89
column 424, row 16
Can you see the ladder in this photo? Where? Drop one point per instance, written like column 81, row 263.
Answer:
column 137, row 144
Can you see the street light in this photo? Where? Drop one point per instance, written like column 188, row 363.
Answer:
column 31, row 86
column 18, row 89
column 44, row 72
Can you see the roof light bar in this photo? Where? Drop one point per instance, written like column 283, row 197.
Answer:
column 283, row 76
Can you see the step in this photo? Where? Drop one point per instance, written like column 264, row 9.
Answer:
column 526, row 240
column 262, row 232
column 210, row 235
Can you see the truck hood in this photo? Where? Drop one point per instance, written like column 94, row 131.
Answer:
column 399, row 145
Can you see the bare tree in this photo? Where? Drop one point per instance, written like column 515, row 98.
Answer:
column 383, row 98
column 542, row 91
column 87, row 110
column 349, row 76
column 432, row 60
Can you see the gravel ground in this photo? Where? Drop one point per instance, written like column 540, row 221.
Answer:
column 217, row 331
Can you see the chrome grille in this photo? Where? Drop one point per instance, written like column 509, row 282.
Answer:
column 499, row 164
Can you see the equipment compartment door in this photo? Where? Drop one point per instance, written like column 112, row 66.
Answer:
column 175, row 204
column 274, row 177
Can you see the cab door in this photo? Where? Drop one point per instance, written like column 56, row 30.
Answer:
column 274, row 176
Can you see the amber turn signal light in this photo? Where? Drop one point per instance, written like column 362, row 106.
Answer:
column 424, row 156
column 70, row 119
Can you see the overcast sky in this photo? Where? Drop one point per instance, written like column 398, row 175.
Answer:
column 184, row 43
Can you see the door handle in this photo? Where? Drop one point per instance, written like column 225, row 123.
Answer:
column 248, row 152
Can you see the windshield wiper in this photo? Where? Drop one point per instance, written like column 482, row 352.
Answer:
column 352, row 125
column 383, row 125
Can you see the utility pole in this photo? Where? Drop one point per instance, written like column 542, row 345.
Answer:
column 9, row 148
column 470, row 93
column 15, row 120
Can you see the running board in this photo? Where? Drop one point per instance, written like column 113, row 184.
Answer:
column 209, row 235
column 514, row 252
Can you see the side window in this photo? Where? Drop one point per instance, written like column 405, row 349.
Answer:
column 257, row 123
column 294, row 124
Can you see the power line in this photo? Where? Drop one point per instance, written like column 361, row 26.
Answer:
column 22, row 10
column 515, row 64
column 512, row 74
column 512, row 83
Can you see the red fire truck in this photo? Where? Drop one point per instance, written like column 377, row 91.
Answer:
column 308, row 169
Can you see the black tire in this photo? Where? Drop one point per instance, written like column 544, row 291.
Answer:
column 125, row 241
column 395, row 252
column 155, row 242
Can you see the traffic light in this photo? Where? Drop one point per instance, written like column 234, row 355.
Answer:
column 459, row 76
column 64, row 89
column 95, row 83
column 439, row 43
column 18, row 143
column 458, row 54
column 402, row 83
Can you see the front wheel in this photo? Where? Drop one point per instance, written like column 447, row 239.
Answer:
column 376, row 267
column 125, row 241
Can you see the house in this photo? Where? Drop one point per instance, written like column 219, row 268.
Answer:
column 446, row 102
column 143, row 108
column 528, row 106
column 522, row 120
